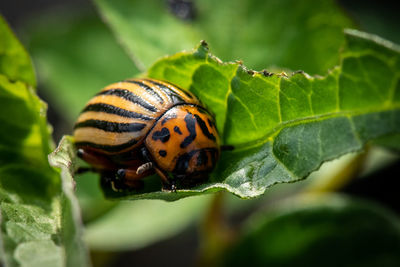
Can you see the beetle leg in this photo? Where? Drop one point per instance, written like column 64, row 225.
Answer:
column 130, row 174
column 167, row 183
column 144, row 167
column 162, row 175
column 108, row 180
column 145, row 154
column 131, row 178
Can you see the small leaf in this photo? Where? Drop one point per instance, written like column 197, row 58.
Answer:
column 288, row 33
column 321, row 231
column 38, row 225
column 15, row 62
column 283, row 128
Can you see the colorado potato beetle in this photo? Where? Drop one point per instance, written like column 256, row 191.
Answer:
column 138, row 127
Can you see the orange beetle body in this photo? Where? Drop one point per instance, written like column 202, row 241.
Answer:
column 134, row 128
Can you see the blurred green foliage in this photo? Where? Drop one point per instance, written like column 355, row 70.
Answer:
column 75, row 55
column 14, row 60
column 293, row 34
column 331, row 230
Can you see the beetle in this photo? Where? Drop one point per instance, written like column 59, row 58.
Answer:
column 137, row 127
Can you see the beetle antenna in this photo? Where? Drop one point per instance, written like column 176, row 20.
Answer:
column 227, row 148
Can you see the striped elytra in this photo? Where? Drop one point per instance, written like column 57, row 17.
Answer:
column 134, row 128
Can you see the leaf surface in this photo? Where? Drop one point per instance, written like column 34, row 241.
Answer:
column 15, row 62
column 40, row 225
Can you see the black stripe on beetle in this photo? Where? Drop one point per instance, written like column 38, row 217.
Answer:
column 191, row 126
column 162, row 153
column 128, row 95
column 204, row 128
column 202, row 111
column 211, row 123
column 112, row 126
column 162, row 135
column 108, row 148
column 177, row 130
column 175, row 98
column 187, row 94
column 147, row 88
column 110, row 109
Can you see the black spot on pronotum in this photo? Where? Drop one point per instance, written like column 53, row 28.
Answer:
column 182, row 162
column 168, row 117
column 191, row 126
column 162, row 135
column 162, row 153
column 202, row 158
column 164, row 120
column 177, row 130
column 204, row 128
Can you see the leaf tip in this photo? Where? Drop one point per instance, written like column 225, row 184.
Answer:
column 204, row 44
column 202, row 49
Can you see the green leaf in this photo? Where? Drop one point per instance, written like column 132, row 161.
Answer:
column 38, row 225
column 68, row 49
column 294, row 34
column 76, row 56
column 390, row 141
column 321, row 231
column 71, row 230
column 15, row 62
column 282, row 127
